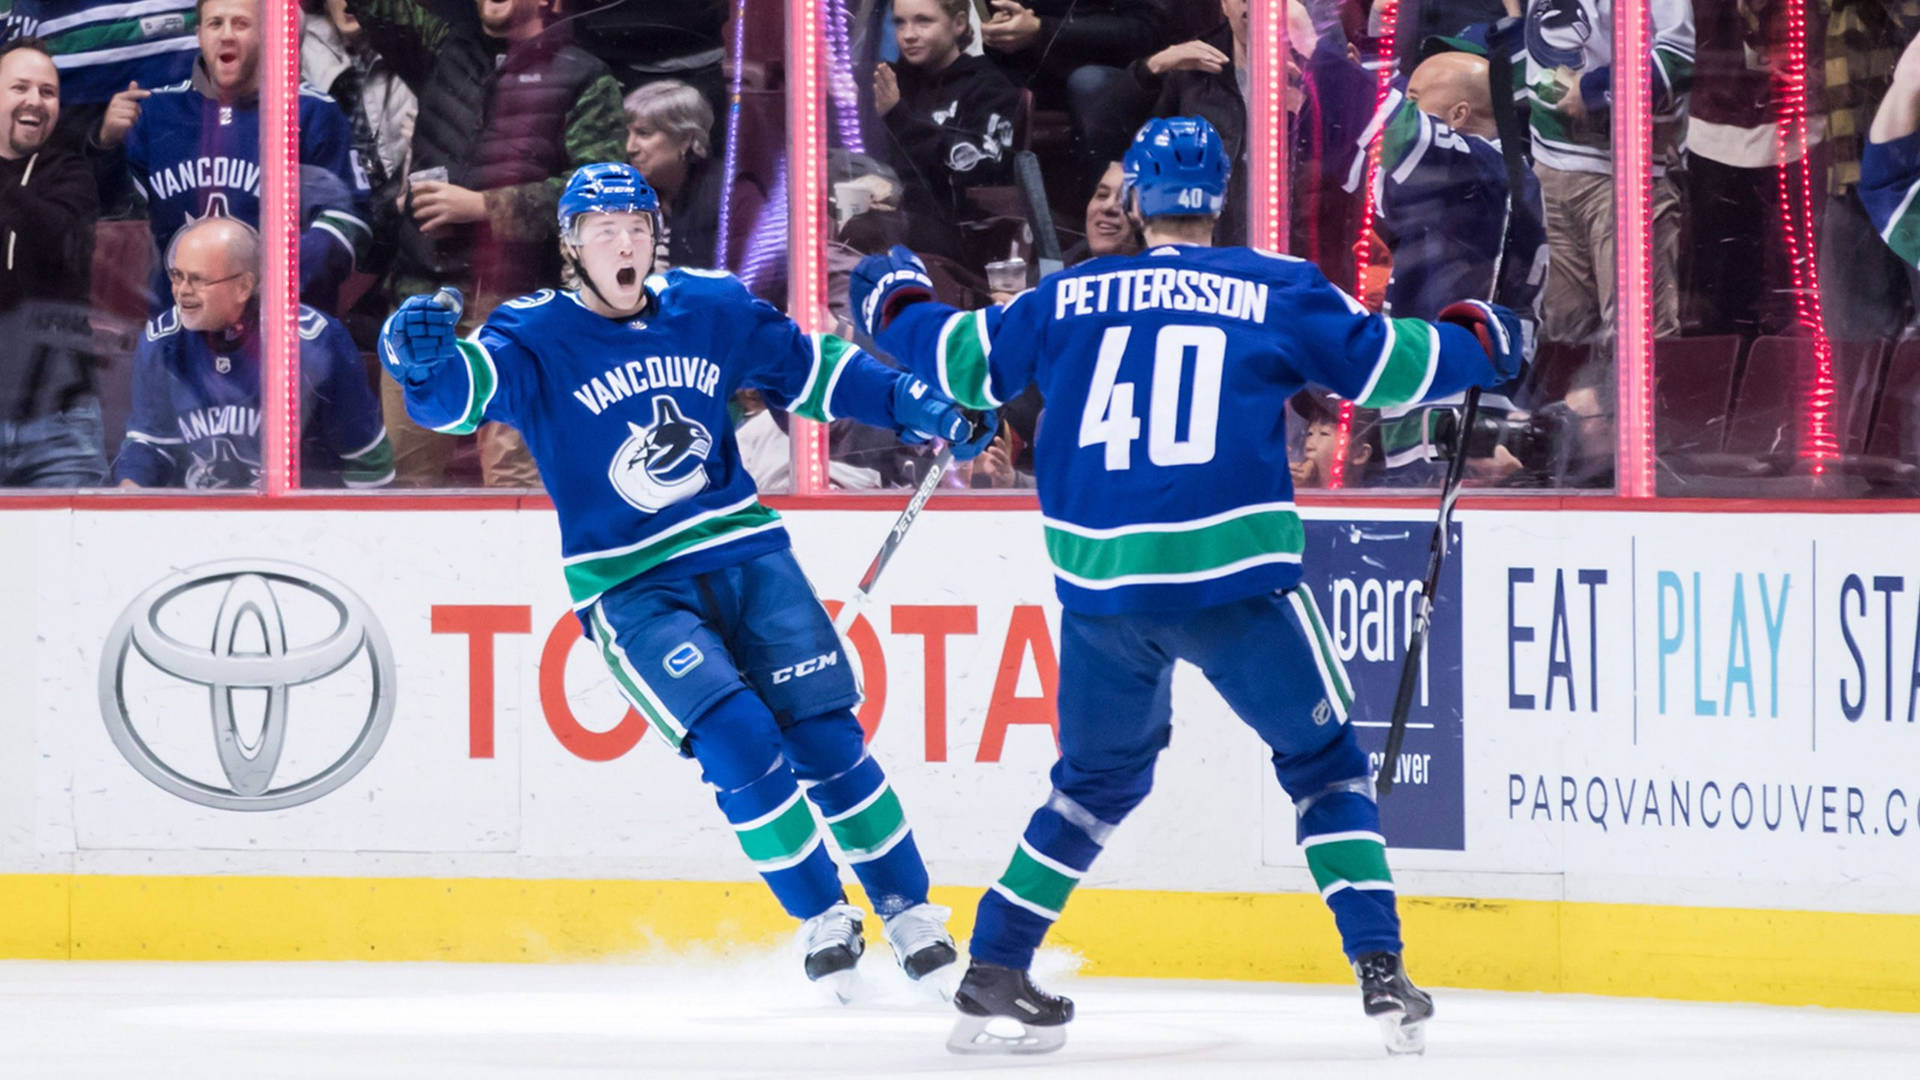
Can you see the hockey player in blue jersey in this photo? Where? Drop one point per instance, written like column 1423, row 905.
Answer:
column 684, row 581
column 195, row 420
column 1167, row 505
column 193, row 150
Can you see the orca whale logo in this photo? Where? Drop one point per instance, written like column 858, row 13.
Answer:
column 1557, row 32
column 665, row 461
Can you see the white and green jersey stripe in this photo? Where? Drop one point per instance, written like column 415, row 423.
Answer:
column 1176, row 552
column 594, row 572
column 961, row 360
column 100, row 47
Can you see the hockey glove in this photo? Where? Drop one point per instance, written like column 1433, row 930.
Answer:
column 920, row 413
column 418, row 337
column 1498, row 330
column 884, row 284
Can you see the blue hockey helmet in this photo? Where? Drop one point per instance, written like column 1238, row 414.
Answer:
column 1179, row 166
column 607, row 187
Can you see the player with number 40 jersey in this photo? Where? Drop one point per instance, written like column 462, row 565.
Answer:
column 1168, row 509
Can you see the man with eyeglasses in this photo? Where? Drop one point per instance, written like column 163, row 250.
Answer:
column 196, row 381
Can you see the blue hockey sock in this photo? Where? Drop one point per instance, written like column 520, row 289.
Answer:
column 861, row 809
column 1060, row 844
column 1340, row 830
column 737, row 746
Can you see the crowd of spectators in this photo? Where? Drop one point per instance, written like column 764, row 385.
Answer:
column 986, row 134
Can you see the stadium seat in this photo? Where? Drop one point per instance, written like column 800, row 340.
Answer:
column 1893, row 431
column 1692, row 385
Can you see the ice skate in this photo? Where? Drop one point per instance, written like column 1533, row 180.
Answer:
column 1391, row 998
column 991, row 997
column 924, row 948
column 833, row 941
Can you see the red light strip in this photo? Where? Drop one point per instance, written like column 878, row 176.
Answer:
column 1267, row 125
column 806, row 254
column 1633, row 159
column 1362, row 244
column 1819, row 442
column 280, row 248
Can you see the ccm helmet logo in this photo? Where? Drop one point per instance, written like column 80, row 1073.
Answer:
column 806, row 667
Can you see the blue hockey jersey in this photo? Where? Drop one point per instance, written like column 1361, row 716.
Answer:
column 1889, row 180
column 101, row 45
column 192, row 157
column 627, row 418
column 1441, row 199
column 1161, row 459
column 1442, row 208
column 195, row 421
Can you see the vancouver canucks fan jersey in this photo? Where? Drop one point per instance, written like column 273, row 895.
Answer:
column 1889, row 180
column 1161, row 461
column 192, row 157
column 627, row 418
column 1441, row 196
column 195, row 420
column 1443, row 211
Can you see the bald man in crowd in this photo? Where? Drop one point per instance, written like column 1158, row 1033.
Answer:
column 1441, row 191
column 196, row 380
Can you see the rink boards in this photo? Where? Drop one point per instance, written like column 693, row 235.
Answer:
column 1669, row 754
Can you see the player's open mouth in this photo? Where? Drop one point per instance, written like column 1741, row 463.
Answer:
column 230, row 57
column 626, row 276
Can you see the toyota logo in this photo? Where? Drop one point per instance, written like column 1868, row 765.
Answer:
column 247, row 647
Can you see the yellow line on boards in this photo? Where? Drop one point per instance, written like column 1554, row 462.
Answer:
column 1703, row 954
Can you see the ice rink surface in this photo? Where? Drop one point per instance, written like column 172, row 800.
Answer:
column 756, row 1017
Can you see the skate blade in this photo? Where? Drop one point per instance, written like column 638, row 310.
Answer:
column 942, row 981
column 975, row 1035
column 840, row 987
column 1402, row 1039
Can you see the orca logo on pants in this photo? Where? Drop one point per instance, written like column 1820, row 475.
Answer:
column 275, row 626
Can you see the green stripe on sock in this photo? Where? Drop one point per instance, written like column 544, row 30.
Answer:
column 375, row 466
column 1405, row 374
column 1036, row 882
column 872, row 826
column 782, row 838
column 1348, row 860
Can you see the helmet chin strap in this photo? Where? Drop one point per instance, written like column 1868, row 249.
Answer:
column 580, row 271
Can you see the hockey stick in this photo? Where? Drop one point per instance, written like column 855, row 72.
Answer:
column 929, row 483
column 1033, row 189
column 863, row 592
column 1423, row 615
column 1500, row 76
